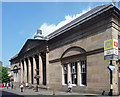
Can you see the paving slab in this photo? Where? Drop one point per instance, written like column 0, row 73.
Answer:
column 17, row 91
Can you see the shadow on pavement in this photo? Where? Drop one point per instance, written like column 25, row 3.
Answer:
column 9, row 94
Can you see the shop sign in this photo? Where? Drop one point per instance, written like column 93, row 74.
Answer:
column 111, row 49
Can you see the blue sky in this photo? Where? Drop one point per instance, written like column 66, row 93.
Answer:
column 21, row 20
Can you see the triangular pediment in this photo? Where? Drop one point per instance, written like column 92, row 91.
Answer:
column 30, row 44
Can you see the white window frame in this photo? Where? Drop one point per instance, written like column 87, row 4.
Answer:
column 73, row 63
column 63, row 74
column 82, row 72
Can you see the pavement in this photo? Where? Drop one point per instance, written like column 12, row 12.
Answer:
column 4, row 92
column 46, row 92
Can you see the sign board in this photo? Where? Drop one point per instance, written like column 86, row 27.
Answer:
column 110, row 44
column 111, row 49
column 111, row 57
column 111, row 67
column 110, row 52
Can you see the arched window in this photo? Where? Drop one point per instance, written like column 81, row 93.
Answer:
column 74, row 66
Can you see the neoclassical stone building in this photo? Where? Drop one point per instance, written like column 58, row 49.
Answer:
column 74, row 52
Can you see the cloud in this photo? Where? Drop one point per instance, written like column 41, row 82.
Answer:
column 47, row 29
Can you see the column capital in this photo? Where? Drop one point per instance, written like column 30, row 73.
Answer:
column 33, row 56
column 39, row 54
column 28, row 58
column 23, row 59
column 20, row 61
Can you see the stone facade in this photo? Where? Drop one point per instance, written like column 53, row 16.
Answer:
column 78, row 49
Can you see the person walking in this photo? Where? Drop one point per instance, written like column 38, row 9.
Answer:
column 7, row 85
column 12, row 86
column 26, row 85
column 1, row 85
column 4, row 84
column 69, row 87
column 21, row 87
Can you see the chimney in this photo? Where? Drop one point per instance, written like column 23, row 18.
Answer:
column 119, row 5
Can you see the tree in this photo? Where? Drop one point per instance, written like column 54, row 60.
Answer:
column 5, row 74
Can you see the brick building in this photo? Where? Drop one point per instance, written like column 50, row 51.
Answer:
column 74, row 52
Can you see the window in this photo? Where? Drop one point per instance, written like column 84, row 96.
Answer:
column 73, row 67
column 83, row 72
column 65, row 73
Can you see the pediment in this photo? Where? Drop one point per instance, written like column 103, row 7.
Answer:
column 30, row 44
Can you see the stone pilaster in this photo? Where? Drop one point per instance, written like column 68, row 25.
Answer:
column 34, row 70
column 63, row 75
column 68, row 73
column 29, row 68
column 21, row 65
column 47, row 71
column 40, row 69
column 115, row 75
column 78, row 73
column 115, row 71
column 25, row 71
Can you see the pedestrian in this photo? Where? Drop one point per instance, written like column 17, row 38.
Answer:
column 1, row 85
column 4, row 84
column 12, row 86
column 26, row 85
column 69, row 87
column 21, row 87
column 7, row 85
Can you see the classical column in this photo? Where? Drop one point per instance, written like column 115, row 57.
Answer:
column 25, row 71
column 19, row 76
column 68, row 73
column 47, row 71
column 29, row 74
column 14, row 77
column 21, row 65
column 78, row 73
column 40, row 69
column 34, row 70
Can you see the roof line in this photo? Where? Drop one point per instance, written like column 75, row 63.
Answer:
column 52, row 35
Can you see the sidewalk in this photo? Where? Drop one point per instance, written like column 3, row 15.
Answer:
column 41, row 92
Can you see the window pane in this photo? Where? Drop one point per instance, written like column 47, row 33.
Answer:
column 65, row 78
column 65, row 73
column 83, row 72
column 74, row 72
column 84, row 78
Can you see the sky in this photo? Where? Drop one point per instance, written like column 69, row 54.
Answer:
column 20, row 21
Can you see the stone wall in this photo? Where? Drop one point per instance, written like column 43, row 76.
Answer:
column 97, row 72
